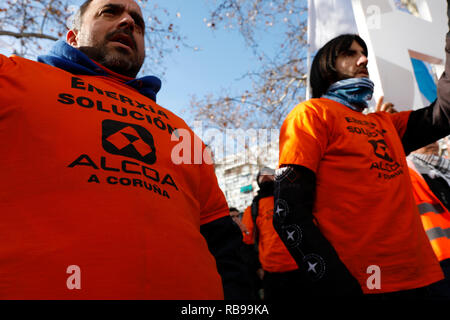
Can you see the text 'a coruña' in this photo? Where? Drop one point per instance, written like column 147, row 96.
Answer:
column 150, row 175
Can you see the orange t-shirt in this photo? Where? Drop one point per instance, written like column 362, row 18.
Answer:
column 273, row 255
column 89, row 180
column 364, row 204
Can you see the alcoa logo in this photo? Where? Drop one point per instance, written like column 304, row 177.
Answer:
column 128, row 140
column 380, row 149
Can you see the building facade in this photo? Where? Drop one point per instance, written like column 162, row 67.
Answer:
column 237, row 173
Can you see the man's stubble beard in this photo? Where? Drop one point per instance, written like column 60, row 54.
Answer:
column 115, row 59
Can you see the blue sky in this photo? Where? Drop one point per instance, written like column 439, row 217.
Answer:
column 221, row 60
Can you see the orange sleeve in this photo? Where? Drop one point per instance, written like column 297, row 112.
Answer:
column 6, row 63
column 418, row 186
column 212, row 200
column 3, row 62
column 400, row 121
column 303, row 137
column 248, row 222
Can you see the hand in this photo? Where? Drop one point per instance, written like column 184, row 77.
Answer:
column 243, row 227
column 386, row 107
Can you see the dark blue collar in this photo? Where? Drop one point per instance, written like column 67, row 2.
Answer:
column 72, row 60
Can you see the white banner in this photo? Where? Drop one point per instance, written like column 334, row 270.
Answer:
column 328, row 19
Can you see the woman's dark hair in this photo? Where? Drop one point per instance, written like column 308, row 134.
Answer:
column 323, row 71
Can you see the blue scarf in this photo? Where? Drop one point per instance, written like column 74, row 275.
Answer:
column 353, row 93
column 72, row 60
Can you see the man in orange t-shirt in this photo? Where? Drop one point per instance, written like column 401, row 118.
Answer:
column 95, row 201
column 343, row 196
column 279, row 270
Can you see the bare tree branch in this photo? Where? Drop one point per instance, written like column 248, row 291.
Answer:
column 278, row 84
column 27, row 35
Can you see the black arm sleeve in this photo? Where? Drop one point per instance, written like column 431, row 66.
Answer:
column 250, row 255
column 432, row 123
column 224, row 241
column 321, row 270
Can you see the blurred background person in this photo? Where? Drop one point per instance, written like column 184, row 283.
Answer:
column 278, row 268
column 430, row 177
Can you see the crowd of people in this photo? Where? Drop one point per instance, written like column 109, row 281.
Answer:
column 93, row 207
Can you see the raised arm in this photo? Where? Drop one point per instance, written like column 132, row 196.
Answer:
column 432, row 123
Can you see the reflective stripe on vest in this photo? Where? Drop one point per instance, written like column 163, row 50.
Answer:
column 428, row 207
column 438, row 232
column 434, row 215
column 435, row 219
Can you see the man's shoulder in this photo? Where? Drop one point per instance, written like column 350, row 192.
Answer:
column 8, row 63
column 178, row 121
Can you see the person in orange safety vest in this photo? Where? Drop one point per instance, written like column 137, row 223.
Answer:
column 430, row 177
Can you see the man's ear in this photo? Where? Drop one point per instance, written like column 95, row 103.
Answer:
column 72, row 37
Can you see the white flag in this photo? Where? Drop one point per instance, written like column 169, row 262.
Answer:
column 328, row 19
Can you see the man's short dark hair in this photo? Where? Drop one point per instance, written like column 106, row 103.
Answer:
column 84, row 7
column 323, row 70
column 77, row 19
